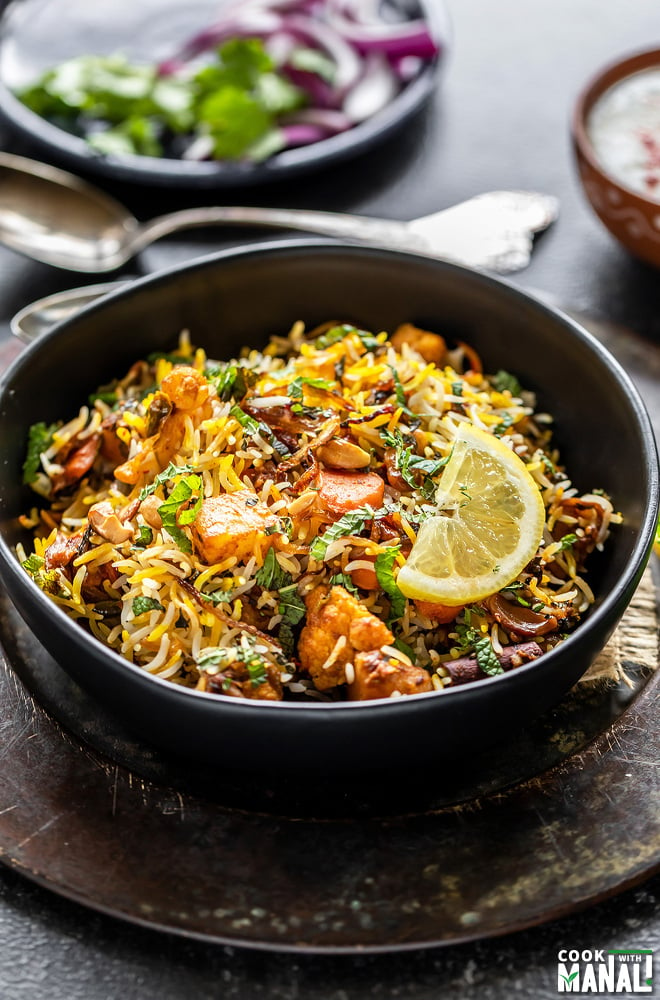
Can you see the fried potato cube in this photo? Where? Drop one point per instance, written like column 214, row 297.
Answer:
column 431, row 346
column 337, row 628
column 230, row 525
column 379, row 676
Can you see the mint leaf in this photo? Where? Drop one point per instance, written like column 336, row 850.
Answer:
column 141, row 605
column 350, row 524
column 40, row 437
column 291, row 607
column 503, row 380
column 384, row 567
column 487, row 658
column 171, row 514
column 165, row 476
column 271, row 576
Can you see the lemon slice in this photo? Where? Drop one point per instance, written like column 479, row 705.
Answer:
column 488, row 526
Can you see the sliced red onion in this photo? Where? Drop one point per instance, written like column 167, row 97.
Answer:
column 314, row 32
column 412, row 38
column 374, row 91
column 406, row 67
column 303, row 135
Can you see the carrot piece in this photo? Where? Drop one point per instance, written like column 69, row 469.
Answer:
column 442, row 614
column 340, row 492
column 365, row 578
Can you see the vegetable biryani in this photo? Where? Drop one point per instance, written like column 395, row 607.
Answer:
column 271, row 527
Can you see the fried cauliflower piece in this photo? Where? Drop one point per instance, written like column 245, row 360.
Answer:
column 379, row 676
column 431, row 346
column 337, row 629
column 186, row 388
column 230, row 525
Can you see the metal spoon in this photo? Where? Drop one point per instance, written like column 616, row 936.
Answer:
column 53, row 216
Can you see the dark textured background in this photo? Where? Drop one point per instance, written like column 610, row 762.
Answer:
column 500, row 120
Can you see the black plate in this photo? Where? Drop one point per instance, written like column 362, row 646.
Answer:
column 241, row 297
column 37, row 34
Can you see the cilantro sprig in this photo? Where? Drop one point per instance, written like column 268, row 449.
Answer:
column 233, row 104
column 40, row 437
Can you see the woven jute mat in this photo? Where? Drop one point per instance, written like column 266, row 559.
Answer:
column 635, row 641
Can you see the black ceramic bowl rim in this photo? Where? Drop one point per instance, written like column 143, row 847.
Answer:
column 12, row 571
column 289, row 163
column 599, row 83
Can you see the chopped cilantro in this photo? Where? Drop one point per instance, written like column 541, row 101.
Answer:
column 504, row 380
column 39, row 439
column 343, row 580
column 337, row 333
column 398, row 391
column 233, row 102
column 231, row 380
column 218, row 596
column 503, row 426
column 105, row 395
column 567, row 542
column 403, row 647
column 47, row 579
column 144, row 537
column 408, row 462
column 384, row 567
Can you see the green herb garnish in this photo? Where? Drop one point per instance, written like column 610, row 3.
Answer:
column 145, row 537
column 141, row 605
column 271, row 576
column 503, row 381
column 173, row 513
column 384, row 567
column 487, row 658
column 291, row 606
column 165, row 476
column 40, row 437
column 350, row 524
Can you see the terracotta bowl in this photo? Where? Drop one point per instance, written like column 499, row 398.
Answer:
column 630, row 216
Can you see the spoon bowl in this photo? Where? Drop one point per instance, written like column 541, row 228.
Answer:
column 53, row 216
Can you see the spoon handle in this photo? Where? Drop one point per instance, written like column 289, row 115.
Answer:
column 364, row 229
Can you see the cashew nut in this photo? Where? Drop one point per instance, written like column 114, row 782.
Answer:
column 105, row 523
column 342, row 454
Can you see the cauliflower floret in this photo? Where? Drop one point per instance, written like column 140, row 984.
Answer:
column 337, row 628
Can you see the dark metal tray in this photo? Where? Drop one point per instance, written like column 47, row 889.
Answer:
column 561, row 817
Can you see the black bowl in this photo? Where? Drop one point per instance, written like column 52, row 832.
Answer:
column 243, row 296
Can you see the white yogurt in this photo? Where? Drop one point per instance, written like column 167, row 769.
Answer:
column 624, row 129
